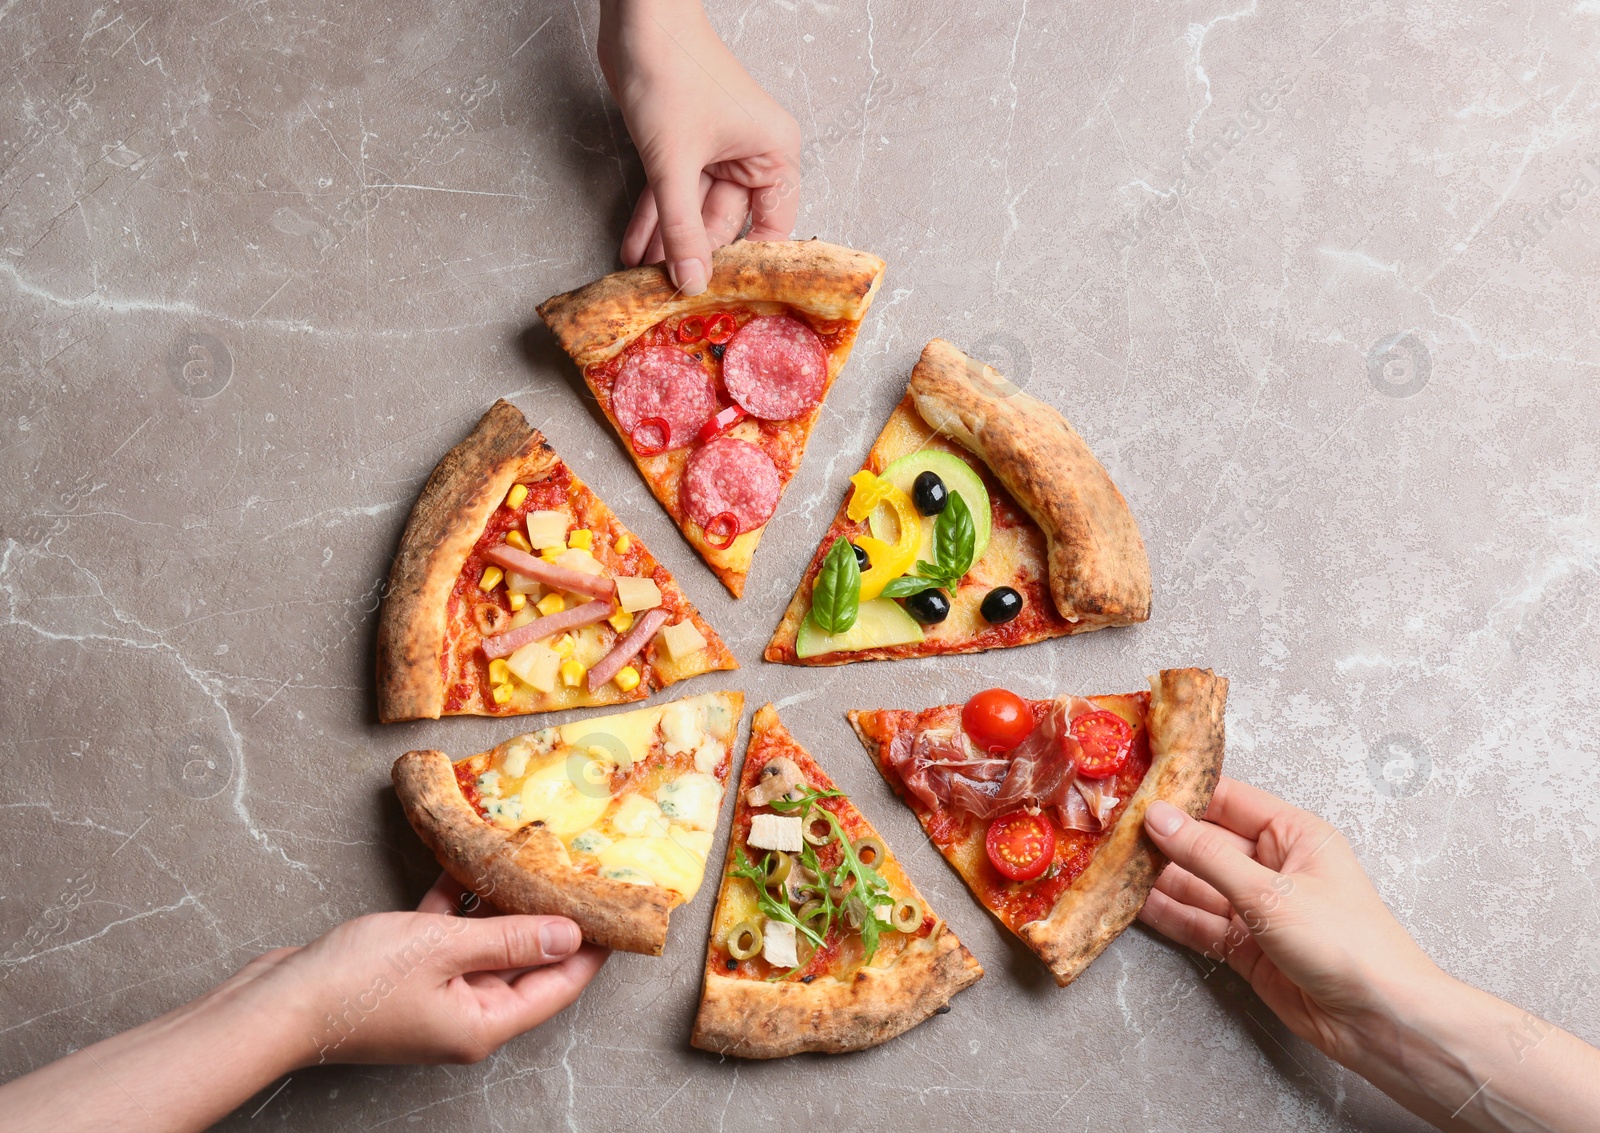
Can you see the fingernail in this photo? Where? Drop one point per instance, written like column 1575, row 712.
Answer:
column 1163, row 818
column 558, row 938
column 689, row 276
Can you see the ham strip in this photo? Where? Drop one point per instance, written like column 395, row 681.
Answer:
column 540, row 628
column 555, row 577
column 628, row 648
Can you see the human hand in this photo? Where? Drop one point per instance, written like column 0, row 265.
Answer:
column 430, row 986
column 716, row 148
column 1278, row 893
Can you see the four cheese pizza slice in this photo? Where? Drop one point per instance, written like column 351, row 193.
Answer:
column 608, row 820
column 517, row 590
column 820, row 941
column 1039, row 805
column 715, row 396
column 981, row 520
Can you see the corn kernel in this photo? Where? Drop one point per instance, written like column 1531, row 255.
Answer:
column 501, row 693
column 491, row 578
column 551, row 604
column 628, row 679
column 621, row 621
column 550, row 554
column 516, row 496
column 499, row 672
column 571, row 673
column 567, row 646
column 623, row 544
column 582, row 538
column 517, row 601
column 518, row 540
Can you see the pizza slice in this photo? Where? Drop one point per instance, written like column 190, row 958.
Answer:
column 1039, row 805
column 517, row 590
column 980, row 520
column 715, row 396
column 608, row 820
column 820, row 941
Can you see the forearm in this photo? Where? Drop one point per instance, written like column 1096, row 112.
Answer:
column 185, row 1070
column 1465, row 1060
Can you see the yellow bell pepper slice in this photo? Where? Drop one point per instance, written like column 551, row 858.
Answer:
column 887, row 561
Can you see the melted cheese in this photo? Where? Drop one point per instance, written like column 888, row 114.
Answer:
column 681, row 726
column 628, row 736
column 567, row 795
column 691, row 799
column 708, row 755
column 663, row 860
column 636, row 814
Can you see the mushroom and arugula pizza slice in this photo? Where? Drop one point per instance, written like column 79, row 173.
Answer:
column 820, row 941
column 517, row 590
column 715, row 396
column 608, row 820
column 1039, row 804
column 980, row 520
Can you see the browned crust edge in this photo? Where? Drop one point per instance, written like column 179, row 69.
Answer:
column 597, row 321
column 456, row 503
column 1186, row 747
column 526, row 871
column 1099, row 572
column 755, row 1019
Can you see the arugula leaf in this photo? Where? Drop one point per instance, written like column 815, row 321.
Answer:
column 809, row 796
column 771, row 907
column 861, row 882
column 836, row 595
column 954, row 538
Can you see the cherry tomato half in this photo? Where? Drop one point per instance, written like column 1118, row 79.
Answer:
column 1021, row 845
column 1106, row 740
column 997, row 720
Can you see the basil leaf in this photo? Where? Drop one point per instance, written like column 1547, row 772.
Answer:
column 836, row 595
column 954, row 538
column 908, row 584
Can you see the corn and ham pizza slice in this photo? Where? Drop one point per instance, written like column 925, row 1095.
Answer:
column 1039, row 804
column 820, row 940
column 980, row 520
column 517, row 590
column 715, row 396
column 607, row 820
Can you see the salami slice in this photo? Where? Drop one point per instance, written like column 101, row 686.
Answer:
column 662, row 381
column 775, row 367
column 731, row 475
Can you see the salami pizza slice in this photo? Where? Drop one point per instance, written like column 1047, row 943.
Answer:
column 607, row 820
column 715, row 396
column 980, row 520
column 1040, row 804
column 820, row 941
column 517, row 590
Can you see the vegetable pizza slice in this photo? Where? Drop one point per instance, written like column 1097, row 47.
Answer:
column 820, row 941
column 716, row 395
column 517, row 590
column 1040, row 804
column 607, row 820
column 981, row 520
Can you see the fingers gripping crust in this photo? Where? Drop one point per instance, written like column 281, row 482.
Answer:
column 1099, row 573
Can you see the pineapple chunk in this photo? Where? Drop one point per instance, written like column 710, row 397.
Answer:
column 635, row 594
column 580, row 560
column 536, row 664
column 681, row 640
column 522, row 584
column 547, row 529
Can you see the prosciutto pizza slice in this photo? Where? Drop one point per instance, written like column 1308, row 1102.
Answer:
column 715, row 396
column 980, row 520
column 608, row 820
column 1039, row 804
column 517, row 590
column 820, row 940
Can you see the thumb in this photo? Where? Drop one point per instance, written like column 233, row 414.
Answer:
column 1202, row 850
column 497, row 944
column 683, row 231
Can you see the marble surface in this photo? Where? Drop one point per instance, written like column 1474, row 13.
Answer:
column 1316, row 282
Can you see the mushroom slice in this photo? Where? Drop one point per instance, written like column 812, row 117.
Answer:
column 779, row 778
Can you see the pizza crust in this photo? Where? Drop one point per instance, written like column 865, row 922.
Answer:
column 1099, row 572
column 525, row 871
column 1185, row 723
column 598, row 321
column 449, row 517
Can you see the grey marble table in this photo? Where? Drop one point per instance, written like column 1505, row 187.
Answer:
column 1314, row 281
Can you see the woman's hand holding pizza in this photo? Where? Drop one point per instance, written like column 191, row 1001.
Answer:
column 716, row 147
column 1279, row 895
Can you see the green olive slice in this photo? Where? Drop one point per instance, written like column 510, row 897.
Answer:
column 856, row 912
column 906, row 915
column 810, row 910
column 744, row 940
column 869, row 850
column 816, row 829
column 778, row 867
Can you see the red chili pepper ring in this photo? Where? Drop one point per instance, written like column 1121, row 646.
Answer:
column 722, row 530
column 649, row 448
column 692, row 329
column 726, row 419
column 720, row 328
